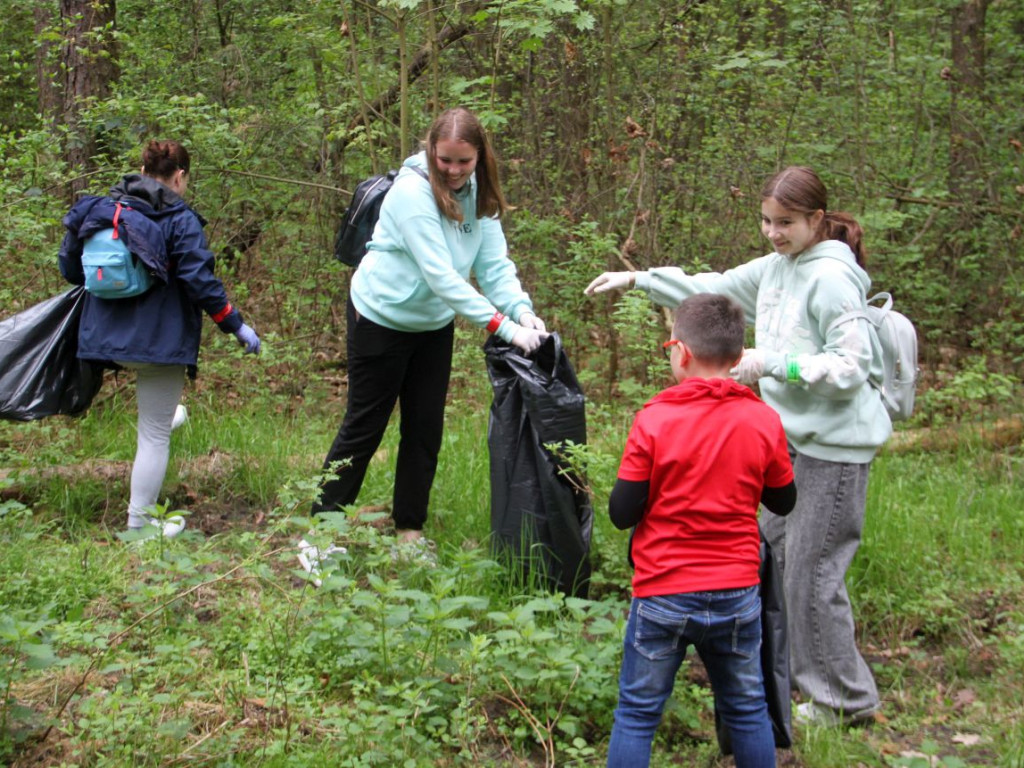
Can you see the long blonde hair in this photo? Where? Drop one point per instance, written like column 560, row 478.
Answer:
column 459, row 124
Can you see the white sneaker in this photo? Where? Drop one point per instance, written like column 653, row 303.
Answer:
column 313, row 561
column 168, row 528
column 420, row 551
column 180, row 417
column 808, row 713
column 812, row 713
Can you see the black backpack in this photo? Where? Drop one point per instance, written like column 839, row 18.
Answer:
column 361, row 216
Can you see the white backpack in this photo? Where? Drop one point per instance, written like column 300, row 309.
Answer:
column 898, row 341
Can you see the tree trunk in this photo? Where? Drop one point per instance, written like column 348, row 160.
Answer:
column 967, row 89
column 88, row 58
column 966, row 179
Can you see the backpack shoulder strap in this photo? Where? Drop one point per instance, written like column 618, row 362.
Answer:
column 117, row 217
column 853, row 314
column 886, row 298
column 871, row 313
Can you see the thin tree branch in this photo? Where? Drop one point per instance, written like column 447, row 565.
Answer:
column 281, row 179
column 62, row 183
column 447, row 36
column 954, row 204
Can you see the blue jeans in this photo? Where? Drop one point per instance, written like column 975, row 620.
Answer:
column 725, row 628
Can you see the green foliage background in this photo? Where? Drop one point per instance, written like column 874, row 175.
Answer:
column 632, row 133
column 629, row 132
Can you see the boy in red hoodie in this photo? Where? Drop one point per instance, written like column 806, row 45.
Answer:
column 701, row 456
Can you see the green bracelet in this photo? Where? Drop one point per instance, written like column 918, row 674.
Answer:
column 792, row 369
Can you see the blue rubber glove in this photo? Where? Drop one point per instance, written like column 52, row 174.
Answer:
column 247, row 338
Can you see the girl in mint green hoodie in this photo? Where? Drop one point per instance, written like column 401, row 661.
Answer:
column 432, row 234
column 817, row 378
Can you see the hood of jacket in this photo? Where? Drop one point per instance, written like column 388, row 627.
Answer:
column 149, row 196
column 697, row 388
column 419, row 160
column 837, row 250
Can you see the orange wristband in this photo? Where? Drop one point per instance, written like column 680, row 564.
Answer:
column 492, row 326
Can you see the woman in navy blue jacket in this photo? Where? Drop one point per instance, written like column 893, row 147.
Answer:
column 157, row 333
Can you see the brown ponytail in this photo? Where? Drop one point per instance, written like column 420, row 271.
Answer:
column 842, row 226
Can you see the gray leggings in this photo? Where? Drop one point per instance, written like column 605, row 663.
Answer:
column 158, row 392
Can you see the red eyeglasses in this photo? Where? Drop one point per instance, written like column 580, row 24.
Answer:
column 667, row 347
column 685, row 355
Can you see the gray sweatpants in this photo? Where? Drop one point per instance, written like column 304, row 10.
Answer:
column 158, row 392
column 815, row 545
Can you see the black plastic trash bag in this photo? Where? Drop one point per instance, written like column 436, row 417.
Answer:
column 40, row 373
column 541, row 520
column 774, row 656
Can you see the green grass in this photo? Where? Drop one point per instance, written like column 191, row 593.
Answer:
column 213, row 651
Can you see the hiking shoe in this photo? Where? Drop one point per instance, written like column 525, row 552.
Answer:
column 168, row 528
column 420, row 551
column 314, row 562
column 180, row 417
column 812, row 713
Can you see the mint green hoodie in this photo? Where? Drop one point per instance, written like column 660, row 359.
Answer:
column 415, row 275
column 829, row 411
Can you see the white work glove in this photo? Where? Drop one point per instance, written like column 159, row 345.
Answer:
column 530, row 320
column 750, row 367
column 529, row 339
column 611, row 281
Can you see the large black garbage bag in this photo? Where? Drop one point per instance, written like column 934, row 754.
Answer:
column 541, row 519
column 774, row 656
column 40, row 373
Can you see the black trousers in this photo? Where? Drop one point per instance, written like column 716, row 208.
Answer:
column 385, row 367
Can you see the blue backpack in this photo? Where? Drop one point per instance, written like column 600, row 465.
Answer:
column 111, row 270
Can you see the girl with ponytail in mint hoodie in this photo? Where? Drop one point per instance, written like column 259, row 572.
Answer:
column 816, row 377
